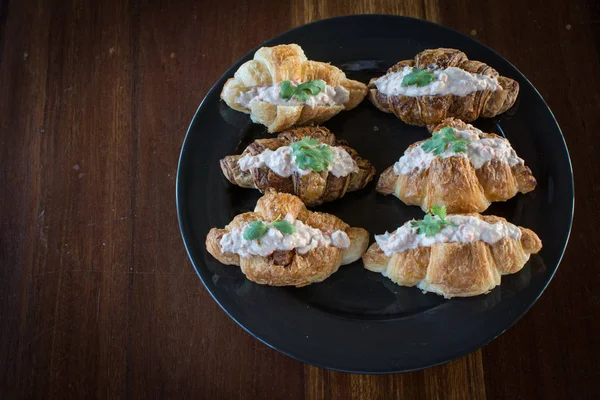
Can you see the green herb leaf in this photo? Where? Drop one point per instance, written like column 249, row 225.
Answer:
column 447, row 133
column 286, row 89
column 255, row 230
column 439, row 211
column 309, row 154
column 460, row 146
column 440, row 140
column 301, row 96
column 418, row 77
column 430, row 225
column 314, row 87
column 284, row 226
column 305, row 141
column 303, row 91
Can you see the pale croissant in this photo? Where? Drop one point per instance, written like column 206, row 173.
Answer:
column 456, row 269
column 432, row 109
column 455, row 182
column 273, row 65
column 290, row 268
column 313, row 188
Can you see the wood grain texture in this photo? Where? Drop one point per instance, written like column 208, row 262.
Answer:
column 203, row 353
column 97, row 296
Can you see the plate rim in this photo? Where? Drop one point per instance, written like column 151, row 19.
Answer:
column 463, row 351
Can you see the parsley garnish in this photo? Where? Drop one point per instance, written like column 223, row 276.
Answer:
column 258, row 229
column 303, row 91
column 284, row 226
column 442, row 139
column 309, row 154
column 255, row 230
column 430, row 225
column 418, row 77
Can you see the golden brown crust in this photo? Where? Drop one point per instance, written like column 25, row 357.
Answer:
column 289, row 268
column 456, row 269
column 426, row 110
column 272, row 65
column 455, row 183
column 313, row 188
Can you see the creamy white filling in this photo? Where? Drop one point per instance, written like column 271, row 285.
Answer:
column 283, row 162
column 331, row 96
column 450, row 80
column 469, row 229
column 340, row 239
column 480, row 150
column 304, row 239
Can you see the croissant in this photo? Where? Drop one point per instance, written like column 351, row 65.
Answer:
column 312, row 187
column 488, row 170
column 462, row 88
column 332, row 243
column 467, row 260
column 255, row 89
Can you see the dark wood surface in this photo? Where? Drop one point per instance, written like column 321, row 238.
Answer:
column 97, row 296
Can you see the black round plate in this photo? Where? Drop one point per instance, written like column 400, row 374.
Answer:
column 357, row 320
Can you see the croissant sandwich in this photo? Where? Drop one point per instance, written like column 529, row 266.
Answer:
column 281, row 243
column 460, row 167
column 454, row 256
column 308, row 162
column 281, row 88
column 442, row 83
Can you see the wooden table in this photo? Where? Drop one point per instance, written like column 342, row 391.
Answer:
column 97, row 296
